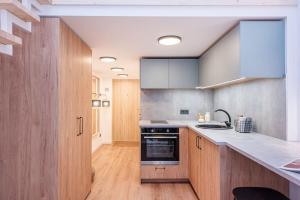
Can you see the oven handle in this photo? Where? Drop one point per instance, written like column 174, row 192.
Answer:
column 160, row 137
column 160, row 133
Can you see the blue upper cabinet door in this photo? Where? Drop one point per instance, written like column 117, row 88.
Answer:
column 154, row 73
column 262, row 49
column 183, row 73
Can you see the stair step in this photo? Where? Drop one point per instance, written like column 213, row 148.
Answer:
column 16, row 8
column 9, row 39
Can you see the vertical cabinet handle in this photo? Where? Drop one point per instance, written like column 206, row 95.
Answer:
column 197, row 142
column 199, row 147
column 80, row 130
column 81, row 125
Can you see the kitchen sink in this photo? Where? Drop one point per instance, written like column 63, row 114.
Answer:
column 213, row 126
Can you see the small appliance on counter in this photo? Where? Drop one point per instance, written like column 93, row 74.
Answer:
column 204, row 118
column 243, row 124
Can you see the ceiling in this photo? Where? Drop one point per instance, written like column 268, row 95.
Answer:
column 130, row 38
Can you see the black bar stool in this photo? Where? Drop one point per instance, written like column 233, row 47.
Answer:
column 257, row 193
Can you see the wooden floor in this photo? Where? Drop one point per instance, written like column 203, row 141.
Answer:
column 118, row 178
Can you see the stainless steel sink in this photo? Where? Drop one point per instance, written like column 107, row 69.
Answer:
column 213, row 126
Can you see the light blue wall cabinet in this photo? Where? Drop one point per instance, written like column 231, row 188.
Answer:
column 253, row 49
column 169, row 73
column 154, row 73
column 183, row 73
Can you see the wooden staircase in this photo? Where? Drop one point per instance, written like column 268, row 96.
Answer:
column 21, row 13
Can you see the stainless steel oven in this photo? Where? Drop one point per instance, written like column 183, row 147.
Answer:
column 160, row 146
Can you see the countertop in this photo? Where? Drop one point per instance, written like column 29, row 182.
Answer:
column 268, row 151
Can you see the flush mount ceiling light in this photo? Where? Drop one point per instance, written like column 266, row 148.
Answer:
column 117, row 69
column 123, row 75
column 169, row 40
column 108, row 59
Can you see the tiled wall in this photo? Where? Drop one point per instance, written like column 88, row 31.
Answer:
column 166, row 104
column 263, row 100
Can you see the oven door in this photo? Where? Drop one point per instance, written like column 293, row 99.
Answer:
column 160, row 149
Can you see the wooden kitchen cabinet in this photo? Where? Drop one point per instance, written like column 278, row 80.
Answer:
column 46, row 134
column 215, row 170
column 204, row 167
column 210, row 168
column 194, row 161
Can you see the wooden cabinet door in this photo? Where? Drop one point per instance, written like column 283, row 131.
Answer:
column 194, row 159
column 84, row 80
column 209, row 182
column 75, row 116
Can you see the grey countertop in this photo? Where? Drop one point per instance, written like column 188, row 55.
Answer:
column 268, row 151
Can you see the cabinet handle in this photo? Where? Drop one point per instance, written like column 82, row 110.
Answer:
column 162, row 168
column 199, row 147
column 197, row 141
column 80, row 126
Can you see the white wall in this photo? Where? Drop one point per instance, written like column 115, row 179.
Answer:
column 105, row 118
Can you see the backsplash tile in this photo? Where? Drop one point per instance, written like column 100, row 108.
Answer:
column 166, row 104
column 263, row 100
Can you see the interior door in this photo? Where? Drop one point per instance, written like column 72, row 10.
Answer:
column 126, row 110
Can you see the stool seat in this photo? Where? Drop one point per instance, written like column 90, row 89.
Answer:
column 257, row 193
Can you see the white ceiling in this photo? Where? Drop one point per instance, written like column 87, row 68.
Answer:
column 130, row 38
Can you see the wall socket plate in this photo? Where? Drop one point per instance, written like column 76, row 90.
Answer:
column 184, row 112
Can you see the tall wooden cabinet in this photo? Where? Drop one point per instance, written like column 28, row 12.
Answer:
column 45, row 115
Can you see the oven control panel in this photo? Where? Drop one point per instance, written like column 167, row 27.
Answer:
column 160, row 130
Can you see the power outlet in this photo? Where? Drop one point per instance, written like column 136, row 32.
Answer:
column 184, row 112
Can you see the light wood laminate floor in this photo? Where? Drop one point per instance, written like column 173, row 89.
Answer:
column 118, row 178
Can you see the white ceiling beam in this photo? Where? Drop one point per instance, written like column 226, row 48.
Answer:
column 175, row 2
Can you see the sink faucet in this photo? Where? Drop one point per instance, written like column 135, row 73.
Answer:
column 228, row 123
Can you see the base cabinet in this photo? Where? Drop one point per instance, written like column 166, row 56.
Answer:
column 215, row 170
column 204, row 170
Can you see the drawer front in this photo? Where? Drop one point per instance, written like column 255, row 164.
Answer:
column 161, row 172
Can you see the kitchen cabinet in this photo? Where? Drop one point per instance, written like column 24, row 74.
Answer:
column 194, row 161
column 252, row 49
column 154, row 73
column 215, row 170
column 204, row 167
column 169, row 73
column 210, row 169
column 183, row 73
column 47, row 153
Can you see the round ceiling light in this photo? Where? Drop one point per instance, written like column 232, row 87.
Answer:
column 169, row 40
column 123, row 75
column 117, row 69
column 107, row 59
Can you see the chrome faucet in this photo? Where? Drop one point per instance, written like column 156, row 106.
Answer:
column 228, row 123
